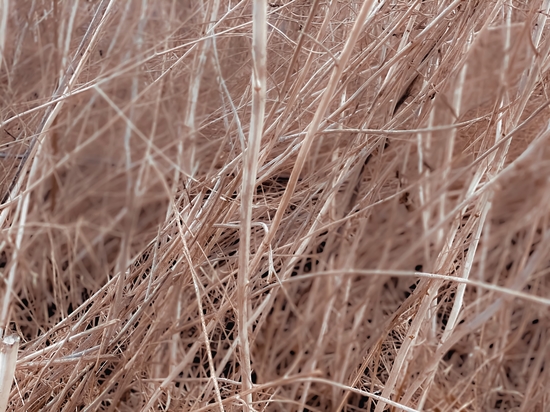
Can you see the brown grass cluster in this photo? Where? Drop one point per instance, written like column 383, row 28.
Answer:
column 293, row 205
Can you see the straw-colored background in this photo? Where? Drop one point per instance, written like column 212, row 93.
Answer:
column 313, row 205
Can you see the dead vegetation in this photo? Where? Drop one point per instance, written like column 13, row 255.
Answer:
column 304, row 205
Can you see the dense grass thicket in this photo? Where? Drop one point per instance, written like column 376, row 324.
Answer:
column 293, row 205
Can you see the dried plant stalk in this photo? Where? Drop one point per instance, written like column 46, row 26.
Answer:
column 8, row 359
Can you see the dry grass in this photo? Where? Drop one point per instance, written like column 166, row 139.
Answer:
column 335, row 206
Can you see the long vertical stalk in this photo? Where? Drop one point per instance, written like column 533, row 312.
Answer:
column 259, row 57
column 4, row 10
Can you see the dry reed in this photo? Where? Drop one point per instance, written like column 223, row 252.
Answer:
column 313, row 205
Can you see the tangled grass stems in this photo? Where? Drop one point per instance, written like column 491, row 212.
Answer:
column 303, row 205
